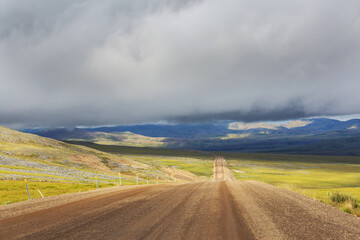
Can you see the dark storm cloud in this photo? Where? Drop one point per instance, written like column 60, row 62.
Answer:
column 111, row 62
column 256, row 114
column 293, row 110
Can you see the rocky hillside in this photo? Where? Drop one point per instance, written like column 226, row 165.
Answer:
column 25, row 155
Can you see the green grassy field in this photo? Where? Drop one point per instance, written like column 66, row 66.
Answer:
column 12, row 191
column 318, row 177
column 199, row 167
column 15, row 190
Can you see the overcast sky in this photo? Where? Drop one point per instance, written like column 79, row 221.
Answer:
column 68, row 63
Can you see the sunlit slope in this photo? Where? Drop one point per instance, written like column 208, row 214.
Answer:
column 31, row 152
column 121, row 139
column 31, row 147
column 54, row 167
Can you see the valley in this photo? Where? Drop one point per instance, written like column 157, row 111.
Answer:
column 172, row 193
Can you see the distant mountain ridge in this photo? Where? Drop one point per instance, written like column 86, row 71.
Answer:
column 224, row 135
column 149, row 130
column 207, row 129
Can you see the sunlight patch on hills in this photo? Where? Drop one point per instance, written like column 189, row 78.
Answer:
column 123, row 139
column 265, row 125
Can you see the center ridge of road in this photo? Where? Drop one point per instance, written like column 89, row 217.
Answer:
column 221, row 208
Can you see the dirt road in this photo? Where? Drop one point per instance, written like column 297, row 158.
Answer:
column 219, row 209
column 219, row 169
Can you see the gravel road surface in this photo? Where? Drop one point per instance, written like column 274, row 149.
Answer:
column 223, row 208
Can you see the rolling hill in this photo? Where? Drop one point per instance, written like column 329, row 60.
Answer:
column 54, row 159
column 55, row 167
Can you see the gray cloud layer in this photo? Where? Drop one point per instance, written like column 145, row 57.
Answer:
column 111, row 62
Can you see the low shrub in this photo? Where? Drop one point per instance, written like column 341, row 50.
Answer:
column 349, row 201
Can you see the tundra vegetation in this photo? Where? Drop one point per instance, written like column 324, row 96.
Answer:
column 334, row 180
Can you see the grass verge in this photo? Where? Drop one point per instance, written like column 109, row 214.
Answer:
column 15, row 190
column 319, row 177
